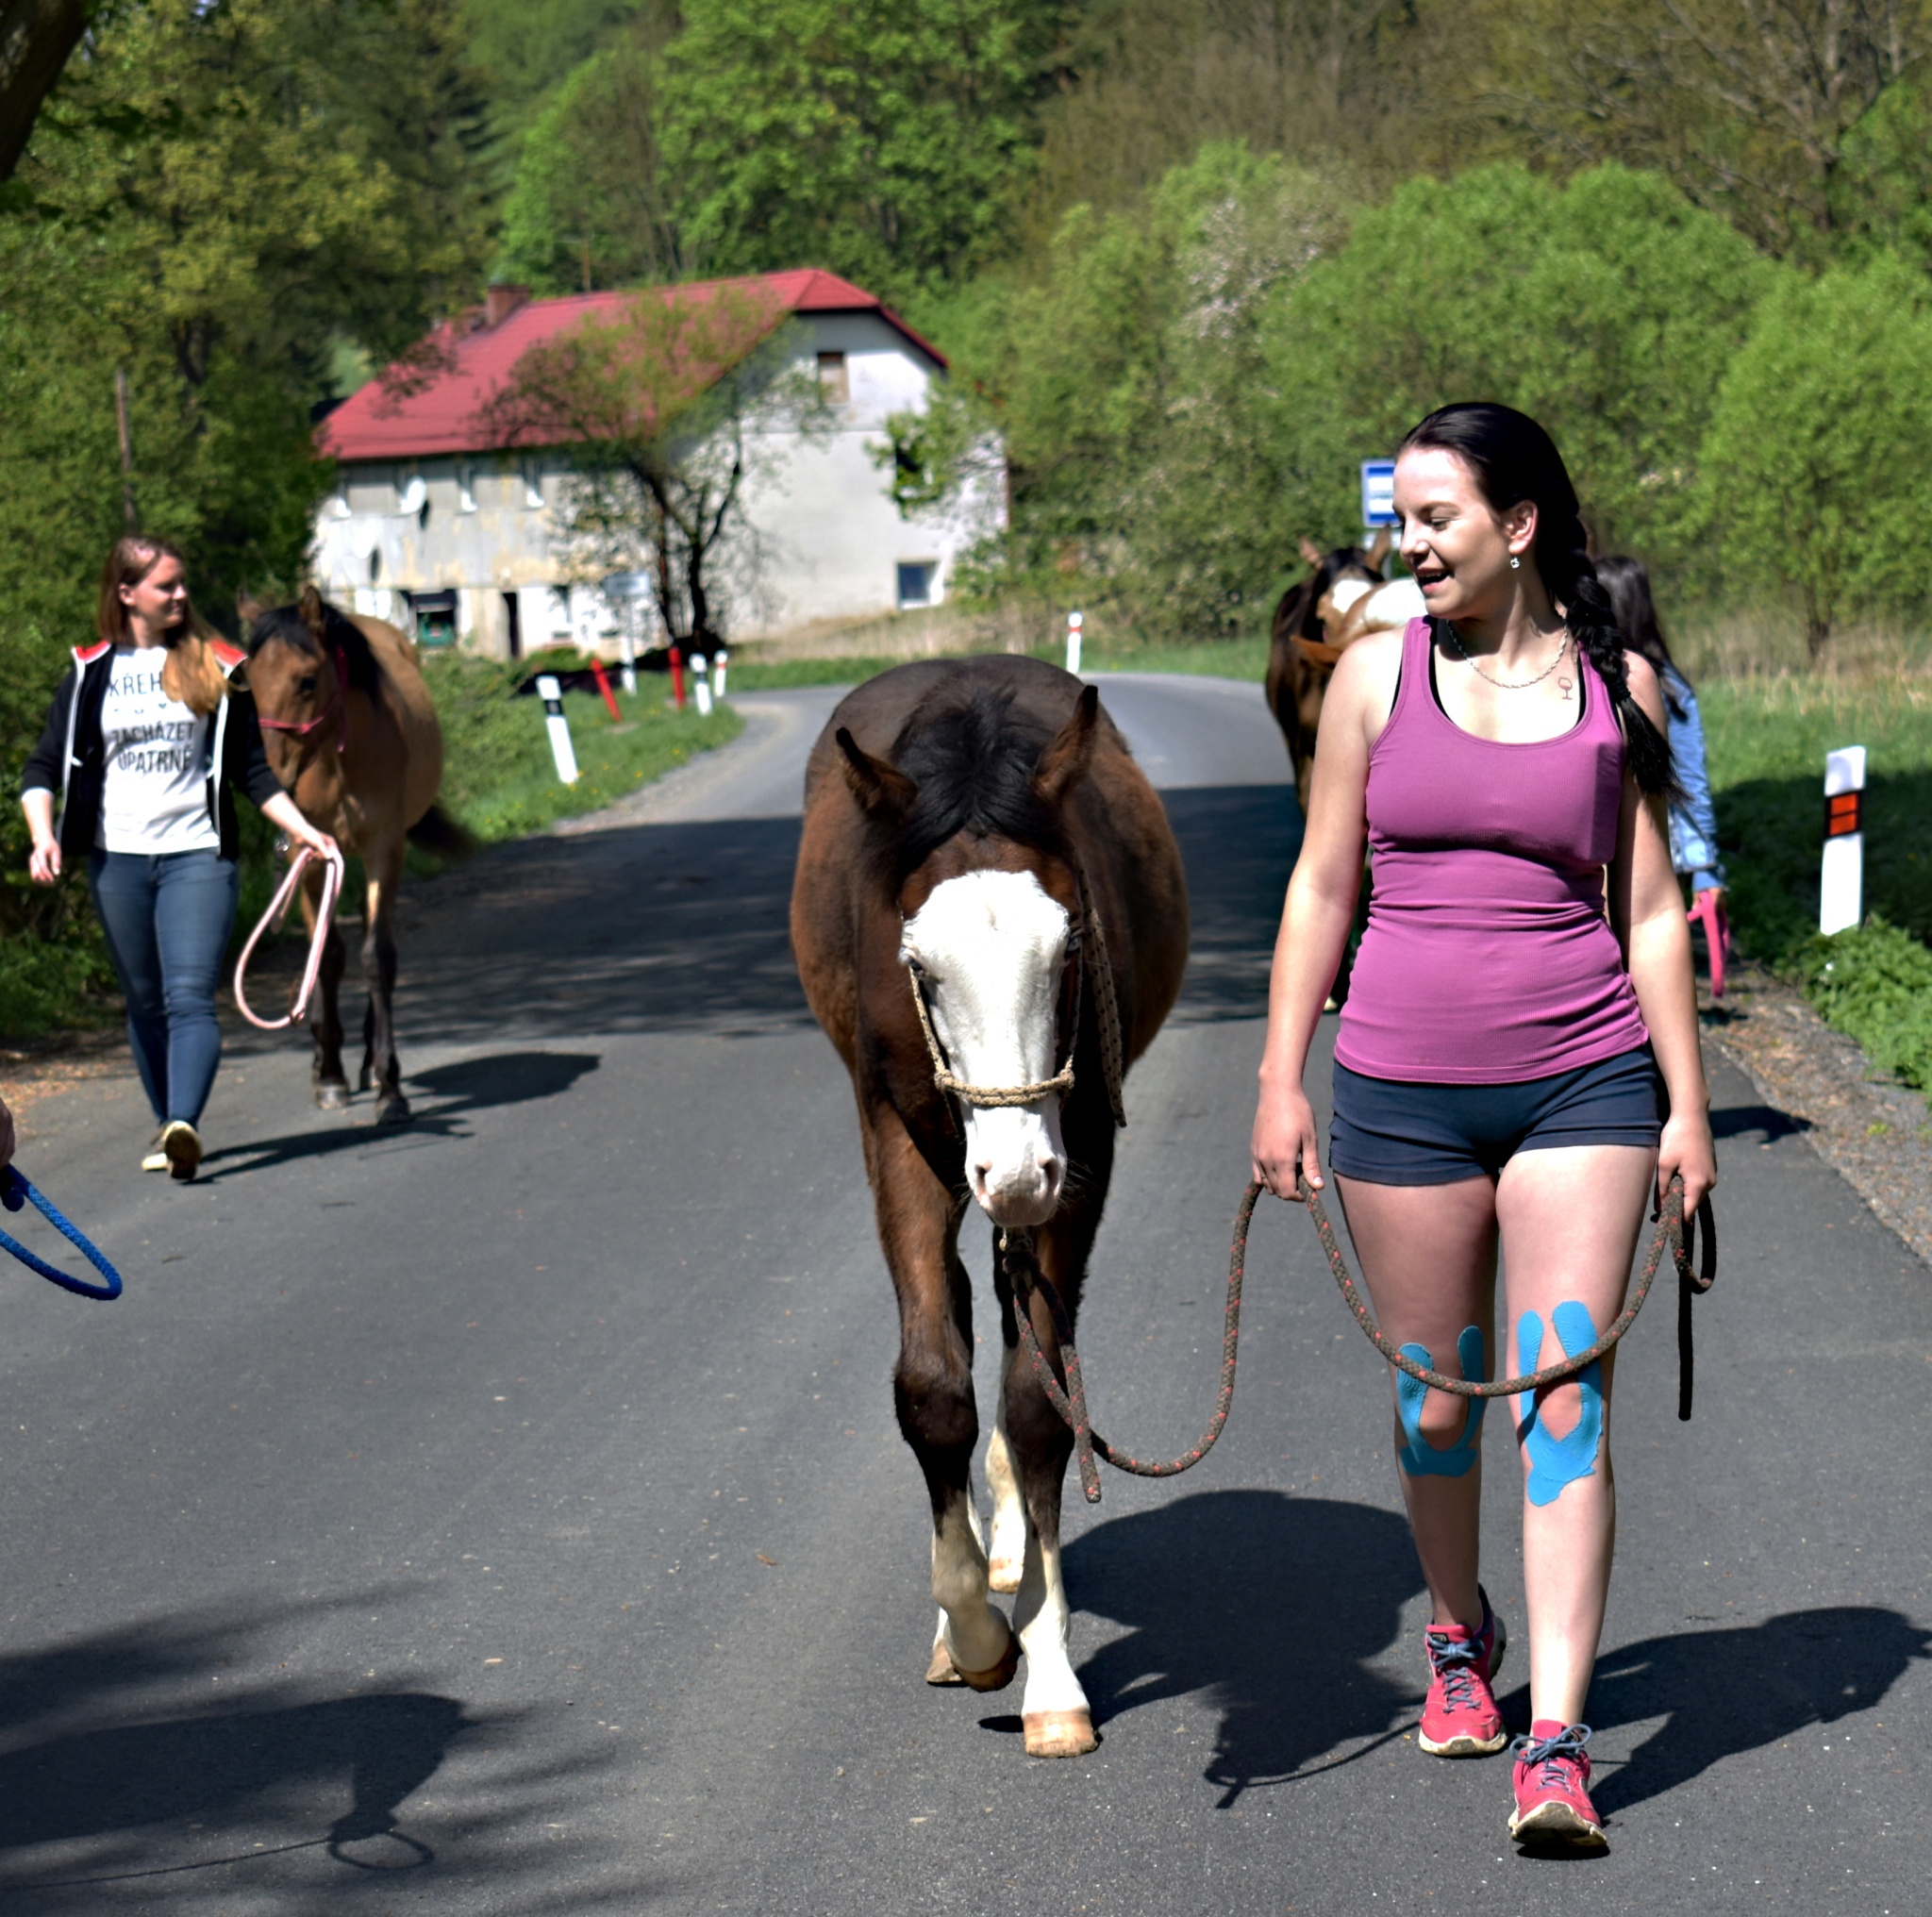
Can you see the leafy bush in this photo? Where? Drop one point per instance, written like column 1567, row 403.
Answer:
column 1606, row 309
column 1815, row 462
column 1875, row 984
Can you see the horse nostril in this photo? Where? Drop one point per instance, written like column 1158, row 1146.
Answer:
column 981, row 1174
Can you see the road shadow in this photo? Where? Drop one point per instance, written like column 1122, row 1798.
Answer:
column 1240, row 844
column 115, row 1758
column 1766, row 1121
column 1724, row 1692
column 1270, row 1608
column 676, row 927
column 457, row 1090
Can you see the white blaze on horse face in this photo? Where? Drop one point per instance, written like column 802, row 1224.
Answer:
column 991, row 947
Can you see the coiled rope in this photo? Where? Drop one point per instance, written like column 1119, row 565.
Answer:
column 15, row 1190
column 1675, row 1234
column 278, row 910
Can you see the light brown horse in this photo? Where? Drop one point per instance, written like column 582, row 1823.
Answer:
column 352, row 733
column 978, row 838
column 1302, row 653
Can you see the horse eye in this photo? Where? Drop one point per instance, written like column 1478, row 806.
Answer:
column 306, row 685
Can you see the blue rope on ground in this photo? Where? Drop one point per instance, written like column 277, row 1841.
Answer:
column 14, row 1192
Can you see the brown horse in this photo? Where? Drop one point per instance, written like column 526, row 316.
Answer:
column 1301, row 653
column 352, row 733
column 980, row 841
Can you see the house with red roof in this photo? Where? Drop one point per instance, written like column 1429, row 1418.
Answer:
column 440, row 524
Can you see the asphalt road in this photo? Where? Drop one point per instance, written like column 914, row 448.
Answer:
column 506, row 1515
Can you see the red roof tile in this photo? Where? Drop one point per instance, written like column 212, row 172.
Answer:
column 407, row 414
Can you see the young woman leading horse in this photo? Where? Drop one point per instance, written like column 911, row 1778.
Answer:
column 1524, row 982
column 991, row 921
column 149, row 735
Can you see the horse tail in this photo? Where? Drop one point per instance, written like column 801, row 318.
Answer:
column 442, row 837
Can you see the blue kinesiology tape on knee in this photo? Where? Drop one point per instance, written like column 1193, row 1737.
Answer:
column 1555, row 1462
column 1421, row 1458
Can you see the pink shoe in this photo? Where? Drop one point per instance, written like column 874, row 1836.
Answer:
column 1460, row 1716
column 1552, row 1780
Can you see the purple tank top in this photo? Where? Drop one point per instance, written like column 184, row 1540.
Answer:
column 1487, row 958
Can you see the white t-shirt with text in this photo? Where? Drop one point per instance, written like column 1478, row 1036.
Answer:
column 155, row 796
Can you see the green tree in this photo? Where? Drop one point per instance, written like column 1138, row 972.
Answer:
column 671, row 408
column 881, row 139
column 1814, row 467
column 1123, row 392
column 590, row 204
column 1608, row 309
column 1882, row 190
column 215, row 201
column 1746, row 104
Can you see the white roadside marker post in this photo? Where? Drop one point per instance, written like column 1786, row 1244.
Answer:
column 718, row 665
column 1074, row 624
column 559, row 726
column 1841, row 870
column 701, row 683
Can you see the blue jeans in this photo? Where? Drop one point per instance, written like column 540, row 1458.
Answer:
column 168, row 920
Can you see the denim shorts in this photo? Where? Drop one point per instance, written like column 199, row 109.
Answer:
column 1392, row 1132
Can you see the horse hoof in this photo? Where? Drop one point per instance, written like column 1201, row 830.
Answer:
column 943, row 1670
column 999, row 1676
column 1003, row 1574
column 393, row 1111
column 1058, row 1733
column 332, row 1097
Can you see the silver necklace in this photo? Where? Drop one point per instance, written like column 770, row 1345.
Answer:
column 1509, row 685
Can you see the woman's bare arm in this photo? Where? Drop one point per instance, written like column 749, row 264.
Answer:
column 1319, row 907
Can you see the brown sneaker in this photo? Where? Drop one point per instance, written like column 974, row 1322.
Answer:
column 155, row 1158
column 181, row 1145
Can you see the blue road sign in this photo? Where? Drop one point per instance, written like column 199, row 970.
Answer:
column 1378, row 493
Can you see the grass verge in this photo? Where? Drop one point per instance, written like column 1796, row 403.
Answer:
column 1767, row 740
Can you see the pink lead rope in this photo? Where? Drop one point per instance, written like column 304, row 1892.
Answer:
column 277, row 912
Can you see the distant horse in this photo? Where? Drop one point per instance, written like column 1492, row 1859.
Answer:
column 352, row 733
column 982, row 856
column 1316, row 621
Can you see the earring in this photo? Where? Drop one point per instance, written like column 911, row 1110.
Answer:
column 1515, row 564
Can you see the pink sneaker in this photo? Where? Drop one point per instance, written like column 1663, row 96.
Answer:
column 1460, row 1716
column 1552, row 1780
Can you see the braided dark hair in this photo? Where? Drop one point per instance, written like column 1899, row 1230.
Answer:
column 1627, row 582
column 1513, row 460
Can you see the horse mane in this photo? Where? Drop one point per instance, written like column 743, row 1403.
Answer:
column 973, row 755
column 285, row 624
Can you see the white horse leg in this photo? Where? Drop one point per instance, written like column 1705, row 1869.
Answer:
column 1009, row 1555
column 974, row 1641
column 1055, row 1713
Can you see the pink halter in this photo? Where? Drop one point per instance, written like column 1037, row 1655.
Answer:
column 339, row 705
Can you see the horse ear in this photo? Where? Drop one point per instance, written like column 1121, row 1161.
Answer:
column 248, row 608
column 314, row 613
column 879, row 787
column 1309, row 551
column 1069, row 752
column 1379, row 550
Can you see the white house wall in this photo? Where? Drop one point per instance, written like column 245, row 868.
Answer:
column 485, row 528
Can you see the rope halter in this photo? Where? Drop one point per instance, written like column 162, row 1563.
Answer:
column 1086, row 952
column 995, row 1096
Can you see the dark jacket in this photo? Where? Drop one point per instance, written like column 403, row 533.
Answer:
column 70, row 759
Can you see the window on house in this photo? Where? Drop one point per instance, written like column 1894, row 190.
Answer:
column 915, row 582
column 436, row 618
column 834, row 384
